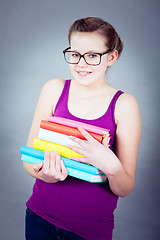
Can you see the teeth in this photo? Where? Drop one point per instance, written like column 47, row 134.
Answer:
column 83, row 73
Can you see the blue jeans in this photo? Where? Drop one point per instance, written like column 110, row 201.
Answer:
column 38, row 228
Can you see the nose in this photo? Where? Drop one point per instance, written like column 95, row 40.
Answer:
column 82, row 62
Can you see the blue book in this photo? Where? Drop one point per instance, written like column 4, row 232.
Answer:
column 33, row 155
column 32, row 152
column 29, row 159
column 98, row 178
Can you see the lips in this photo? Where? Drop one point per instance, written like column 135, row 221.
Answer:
column 83, row 73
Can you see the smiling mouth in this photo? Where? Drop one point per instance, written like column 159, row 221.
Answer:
column 83, row 73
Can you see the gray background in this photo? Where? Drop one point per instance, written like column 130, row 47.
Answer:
column 33, row 34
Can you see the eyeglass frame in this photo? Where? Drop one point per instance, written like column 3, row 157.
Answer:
column 83, row 56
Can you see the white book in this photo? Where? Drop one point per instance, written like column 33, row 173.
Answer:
column 56, row 137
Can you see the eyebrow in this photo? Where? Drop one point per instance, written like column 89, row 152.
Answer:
column 91, row 51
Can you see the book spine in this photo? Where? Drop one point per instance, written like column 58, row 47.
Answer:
column 76, row 124
column 30, row 159
column 67, row 130
column 67, row 162
column 56, row 137
column 78, row 173
column 86, row 176
column 32, row 152
column 62, row 150
column 73, row 172
column 37, row 155
column 81, row 166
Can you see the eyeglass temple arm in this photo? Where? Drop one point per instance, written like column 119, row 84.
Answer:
column 66, row 49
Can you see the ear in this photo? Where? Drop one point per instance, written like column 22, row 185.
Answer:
column 112, row 57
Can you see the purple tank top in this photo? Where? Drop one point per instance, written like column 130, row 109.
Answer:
column 75, row 205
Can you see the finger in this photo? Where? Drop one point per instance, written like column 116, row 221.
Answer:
column 46, row 160
column 105, row 141
column 86, row 135
column 57, row 162
column 79, row 159
column 81, row 143
column 37, row 167
column 52, row 161
column 64, row 171
column 77, row 150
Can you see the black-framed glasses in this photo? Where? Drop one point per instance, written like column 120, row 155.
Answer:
column 91, row 58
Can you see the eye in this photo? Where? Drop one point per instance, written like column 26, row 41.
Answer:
column 93, row 55
column 74, row 54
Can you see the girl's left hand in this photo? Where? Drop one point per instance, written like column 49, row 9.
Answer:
column 93, row 151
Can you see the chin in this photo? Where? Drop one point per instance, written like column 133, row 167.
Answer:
column 85, row 81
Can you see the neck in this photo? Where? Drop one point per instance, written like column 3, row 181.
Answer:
column 96, row 87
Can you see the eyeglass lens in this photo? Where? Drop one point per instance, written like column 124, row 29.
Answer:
column 90, row 58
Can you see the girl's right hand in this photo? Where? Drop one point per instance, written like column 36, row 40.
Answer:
column 52, row 169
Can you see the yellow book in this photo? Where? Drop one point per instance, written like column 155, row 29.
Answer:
column 62, row 150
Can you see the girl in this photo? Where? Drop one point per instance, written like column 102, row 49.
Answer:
column 63, row 207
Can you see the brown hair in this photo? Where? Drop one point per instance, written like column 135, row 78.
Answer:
column 92, row 24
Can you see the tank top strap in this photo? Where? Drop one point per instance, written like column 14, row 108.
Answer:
column 61, row 108
column 112, row 104
column 63, row 99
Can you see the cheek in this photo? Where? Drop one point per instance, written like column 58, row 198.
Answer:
column 71, row 67
column 101, row 69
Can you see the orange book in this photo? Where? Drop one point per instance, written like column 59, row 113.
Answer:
column 70, row 131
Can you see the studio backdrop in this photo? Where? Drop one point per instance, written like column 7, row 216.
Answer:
column 33, row 35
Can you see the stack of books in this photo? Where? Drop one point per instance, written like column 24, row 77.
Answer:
column 54, row 135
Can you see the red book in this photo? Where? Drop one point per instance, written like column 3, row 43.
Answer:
column 70, row 131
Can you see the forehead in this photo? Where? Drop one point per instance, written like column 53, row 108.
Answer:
column 84, row 42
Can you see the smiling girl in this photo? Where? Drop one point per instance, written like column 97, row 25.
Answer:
column 63, row 207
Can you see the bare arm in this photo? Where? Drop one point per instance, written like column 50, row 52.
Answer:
column 119, row 166
column 48, row 97
column 127, row 142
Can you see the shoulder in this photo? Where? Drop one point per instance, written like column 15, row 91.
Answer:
column 53, row 85
column 126, row 99
column 53, row 88
column 50, row 92
column 127, row 107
